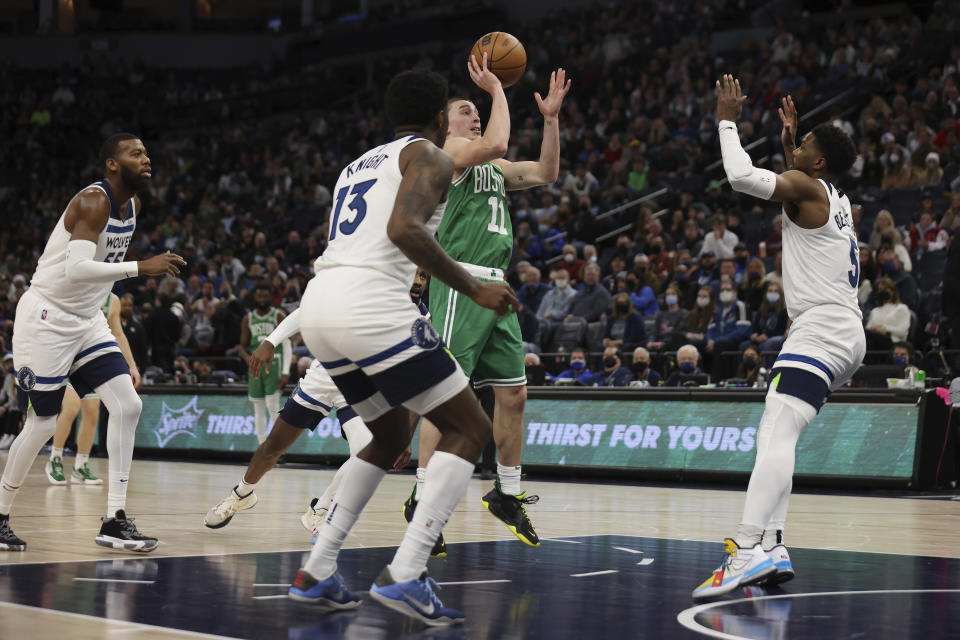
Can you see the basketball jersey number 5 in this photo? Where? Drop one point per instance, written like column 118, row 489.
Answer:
column 358, row 205
column 854, row 274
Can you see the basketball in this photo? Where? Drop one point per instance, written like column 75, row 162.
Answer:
column 506, row 57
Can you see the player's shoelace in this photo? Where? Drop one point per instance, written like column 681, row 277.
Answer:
column 426, row 590
column 227, row 505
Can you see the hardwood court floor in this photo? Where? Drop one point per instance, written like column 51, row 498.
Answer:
column 169, row 500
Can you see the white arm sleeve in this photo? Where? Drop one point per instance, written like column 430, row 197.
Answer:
column 82, row 268
column 743, row 176
column 284, row 330
column 287, row 352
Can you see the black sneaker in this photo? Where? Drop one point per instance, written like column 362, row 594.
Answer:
column 119, row 532
column 8, row 539
column 509, row 509
column 409, row 507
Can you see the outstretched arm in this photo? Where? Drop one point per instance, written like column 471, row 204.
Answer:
column 493, row 143
column 788, row 136
column 525, row 175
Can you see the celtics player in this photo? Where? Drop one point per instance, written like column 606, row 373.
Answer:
column 476, row 231
column 89, row 408
column 264, row 391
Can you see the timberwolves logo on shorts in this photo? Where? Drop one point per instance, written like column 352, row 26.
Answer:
column 424, row 335
column 26, row 378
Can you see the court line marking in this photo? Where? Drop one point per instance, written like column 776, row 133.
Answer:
column 115, row 580
column 628, row 550
column 137, row 626
column 594, row 573
column 270, row 584
column 282, row 595
column 444, row 584
column 645, row 562
column 567, row 541
column 687, row 617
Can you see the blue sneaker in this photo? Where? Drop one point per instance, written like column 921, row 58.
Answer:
column 331, row 592
column 739, row 568
column 414, row 598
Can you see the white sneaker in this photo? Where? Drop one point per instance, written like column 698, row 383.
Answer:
column 221, row 514
column 781, row 560
column 6, row 441
column 739, row 568
column 312, row 518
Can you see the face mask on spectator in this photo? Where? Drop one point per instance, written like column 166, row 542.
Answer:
column 670, row 300
column 578, row 364
column 521, row 214
column 741, row 260
column 894, row 158
column 523, row 235
column 890, row 266
column 609, row 362
column 753, row 275
column 593, row 258
column 568, row 258
column 899, row 360
column 749, row 363
column 687, row 367
column 543, row 228
column 561, row 283
column 884, row 297
column 639, row 367
column 703, row 301
column 726, row 296
column 623, row 307
column 773, row 297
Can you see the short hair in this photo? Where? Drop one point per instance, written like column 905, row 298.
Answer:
column 261, row 285
column 718, row 219
column 578, row 350
column 414, row 97
column 688, row 348
column 109, row 147
column 592, row 266
column 836, row 146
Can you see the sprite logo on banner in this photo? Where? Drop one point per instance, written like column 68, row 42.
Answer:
column 174, row 422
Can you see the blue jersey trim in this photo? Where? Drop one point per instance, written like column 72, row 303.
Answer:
column 112, row 228
column 336, row 364
column 315, row 403
column 50, row 380
column 806, row 360
column 299, row 416
column 386, row 353
column 345, row 414
column 96, row 347
column 98, row 371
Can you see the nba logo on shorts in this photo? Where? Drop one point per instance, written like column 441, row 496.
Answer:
column 424, row 335
column 43, row 314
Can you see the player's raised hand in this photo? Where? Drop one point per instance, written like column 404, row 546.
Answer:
column 262, row 356
column 498, row 297
column 559, row 86
column 482, row 76
column 166, row 263
column 788, row 115
column 730, row 98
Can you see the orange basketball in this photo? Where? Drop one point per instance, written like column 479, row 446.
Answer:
column 506, row 57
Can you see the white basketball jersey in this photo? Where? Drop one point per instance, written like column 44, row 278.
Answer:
column 821, row 266
column 50, row 281
column 363, row 201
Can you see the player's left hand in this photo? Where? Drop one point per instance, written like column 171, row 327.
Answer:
column 135, row 374
column 261, row 357
column 283, row 380
column 730, row 98
column 559, row 86
column 402, row 459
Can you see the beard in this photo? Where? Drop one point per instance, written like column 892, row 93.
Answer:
column 133, row 180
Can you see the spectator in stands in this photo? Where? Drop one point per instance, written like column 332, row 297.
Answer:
column 530, row 295
column 902, row 354
column 705, row 274
column 774, row 242
column 728, row 271
column 182, row 371
column 730, row 326
column 640, row 284
column 868, row 274
column 951, row 218
column 555, row 305
column 134, row 331
column 546, row 242
column 721, row 241
column 163, row 326
column 9, row 407
column 687, row 359
column 926, row 235
column 614, row 374
column 753, row 287
column 776, row 275
column 898, row 174
column 231, row 269
column 750, row 363
column 582, row 182
column 638, row 180
column 692, row 238
column 625, row 328
column 889, row 321
column 643, row 375
column 769, row 322
column 886, row 236
column 694, row 327
column 203, row 370
column 592, row 301
column 571, row 263
column 578, row 370
column 906, row 285
column 667, row 325
column 932, row 174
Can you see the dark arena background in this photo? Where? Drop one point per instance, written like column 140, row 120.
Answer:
column 652, row 312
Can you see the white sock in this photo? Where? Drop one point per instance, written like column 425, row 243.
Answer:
column 124, row 405
column 421, row 476
column 446, row 481
column 325, row 501
column 784, row 418
column 358, row 435
column 771, row 538
column 260, row 418
column 24, row 450
column 245, row 488
column 273, row 409
column 81, row 460
column 360, row 480
column 56, row 453
column 509, row 479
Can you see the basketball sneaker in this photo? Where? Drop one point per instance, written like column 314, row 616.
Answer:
column 409, row 508
column 221, row 514
column 54, row 469
column 6, row 441
column 312, row 518
column 8, row 539
column 509, row 509
column 781, row 560
column 414, row 598
column 331, row 592
column 739, row 568
column 83, row 475
column 119, row 532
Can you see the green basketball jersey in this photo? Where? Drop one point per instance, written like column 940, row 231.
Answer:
column 476, row 224
column 261, row 326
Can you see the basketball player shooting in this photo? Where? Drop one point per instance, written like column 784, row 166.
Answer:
column 826, row 343
column 60, row 333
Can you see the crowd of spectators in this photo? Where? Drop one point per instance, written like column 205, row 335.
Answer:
column 693, row 269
